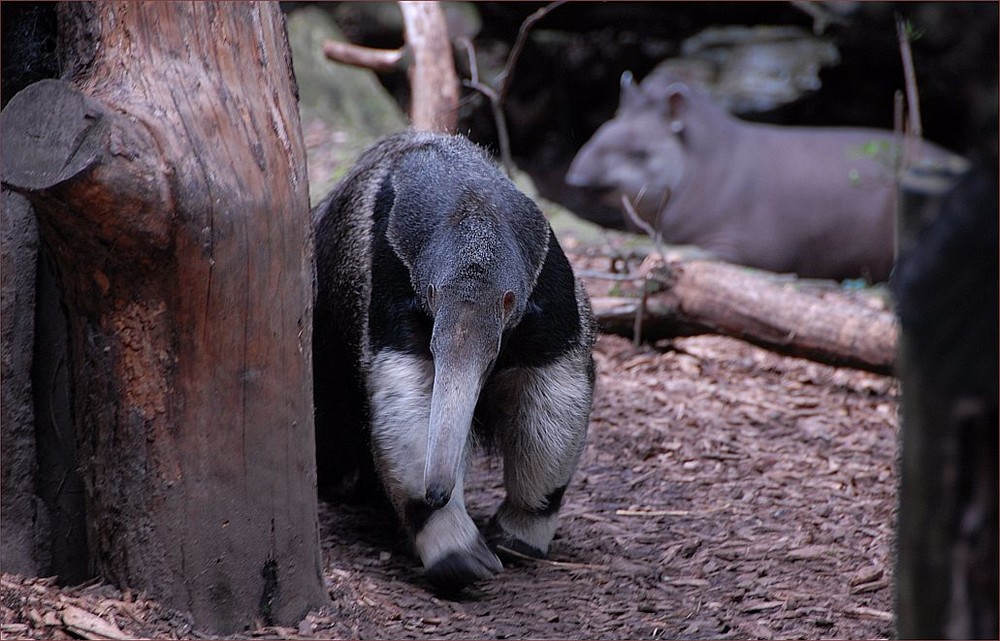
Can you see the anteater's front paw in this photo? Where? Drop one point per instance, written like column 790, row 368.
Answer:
column 508, row 546
column 460, row 568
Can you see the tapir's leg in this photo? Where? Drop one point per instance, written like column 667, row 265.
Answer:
column 449, row 544
column 541, row 416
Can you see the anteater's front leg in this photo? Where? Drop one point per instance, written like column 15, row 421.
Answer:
column 541, row 416
column 450, row 546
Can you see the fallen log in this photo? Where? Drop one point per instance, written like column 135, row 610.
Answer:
column 692, row 297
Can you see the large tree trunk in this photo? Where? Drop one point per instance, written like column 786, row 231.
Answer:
column 43, row 528
column 62, row 549
column 946, row 288
column 168, row 176
column 18, row 259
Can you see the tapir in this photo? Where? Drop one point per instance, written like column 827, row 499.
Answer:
column 447, row 310
column 818, row 202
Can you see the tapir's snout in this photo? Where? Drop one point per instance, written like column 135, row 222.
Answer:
column 576, row 178
column 588, row 172
column 583, row 173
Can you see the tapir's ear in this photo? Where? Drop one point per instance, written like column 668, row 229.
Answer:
column 676, row 102
column 629, row 91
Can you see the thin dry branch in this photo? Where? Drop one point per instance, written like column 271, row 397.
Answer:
column 498, row 96
column 915, row 131
column 498, row 116
column 910, row 76
column 633, row 215
column 378, row 60
column 522, row 38
column 567, row 565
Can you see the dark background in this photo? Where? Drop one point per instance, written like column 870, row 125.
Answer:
column 566, row 82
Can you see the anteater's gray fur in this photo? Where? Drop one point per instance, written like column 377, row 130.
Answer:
column 446, row 312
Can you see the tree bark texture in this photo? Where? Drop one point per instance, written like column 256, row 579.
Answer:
column 168, row 175
column 18, row 459
column 43, row 525
column 711, row 297
column 59, row 485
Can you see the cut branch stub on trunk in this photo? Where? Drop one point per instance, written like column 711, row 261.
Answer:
column 101, row 166
column 708, row 297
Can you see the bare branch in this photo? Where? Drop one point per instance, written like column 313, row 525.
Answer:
column 897, row 160
column 653, row 233
column 499, row 119
column 427, row 59
column 633, row 215
column 470, row 51
column 912, row 96
column 515, row 52
column 378, row 60
column 497, row 97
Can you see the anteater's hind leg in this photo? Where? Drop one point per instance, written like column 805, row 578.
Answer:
column 449, row 544
column 540, row 415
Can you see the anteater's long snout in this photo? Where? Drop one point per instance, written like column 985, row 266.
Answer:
column 453, row 403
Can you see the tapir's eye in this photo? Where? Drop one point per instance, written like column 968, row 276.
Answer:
column 638, row 155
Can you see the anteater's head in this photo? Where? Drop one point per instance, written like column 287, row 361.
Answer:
column 474, row 246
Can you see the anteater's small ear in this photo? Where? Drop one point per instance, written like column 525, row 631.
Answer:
column 432, row 297
column 507, row 304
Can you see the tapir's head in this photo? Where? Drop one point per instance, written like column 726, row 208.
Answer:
column 640, row 153
column 474, row 255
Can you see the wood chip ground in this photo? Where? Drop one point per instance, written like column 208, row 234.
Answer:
column 725, row 492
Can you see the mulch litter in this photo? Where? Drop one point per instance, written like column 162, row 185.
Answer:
column 725, row 492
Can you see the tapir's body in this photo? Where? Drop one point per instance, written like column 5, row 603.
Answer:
column 445, row 305
column 815, row 201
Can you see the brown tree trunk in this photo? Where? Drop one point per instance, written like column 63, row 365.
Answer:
column 62, row 536
column 168, row 175
column 428, row 61
column 18, row 259
column 433, row 81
